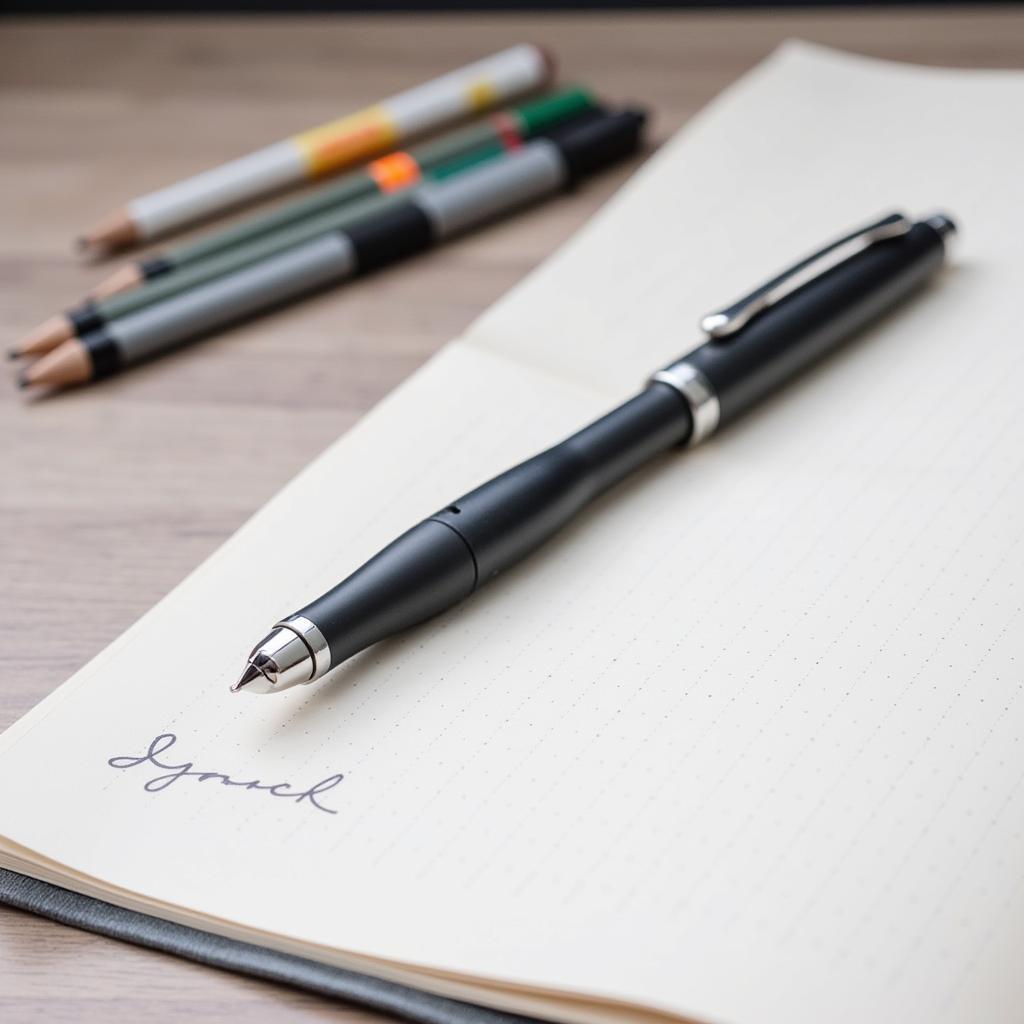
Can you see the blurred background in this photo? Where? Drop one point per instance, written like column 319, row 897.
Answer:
column 383, row 6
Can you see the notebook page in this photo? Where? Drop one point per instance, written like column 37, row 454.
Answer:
column 741, row 744
column 252, row 859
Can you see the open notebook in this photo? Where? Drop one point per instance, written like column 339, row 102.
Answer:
column 744, row 744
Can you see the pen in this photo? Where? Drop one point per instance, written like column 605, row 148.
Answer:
column 388, row 232
column 752, row 348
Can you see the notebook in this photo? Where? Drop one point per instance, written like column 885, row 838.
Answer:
column 94, row 915
column 741, row 745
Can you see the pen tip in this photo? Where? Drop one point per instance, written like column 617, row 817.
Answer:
column 250, row 673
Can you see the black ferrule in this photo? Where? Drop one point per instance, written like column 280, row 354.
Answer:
column 155, row 266
column 387, row 237
column 597, row 143
column 85, row 318
column 792, row 335
column 103, row 351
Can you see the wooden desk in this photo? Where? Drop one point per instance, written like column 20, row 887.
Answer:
column 111, row 495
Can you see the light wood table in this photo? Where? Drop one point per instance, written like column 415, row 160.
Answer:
column 111, row 495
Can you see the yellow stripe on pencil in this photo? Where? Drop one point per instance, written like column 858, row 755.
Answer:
column 323, row 150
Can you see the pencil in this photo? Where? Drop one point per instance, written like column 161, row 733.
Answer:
column 325, row 149
column 429, row 214
column 503, row 129
column 92, row 315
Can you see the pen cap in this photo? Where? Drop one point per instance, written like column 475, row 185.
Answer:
column 817, row 318
column 596, row 143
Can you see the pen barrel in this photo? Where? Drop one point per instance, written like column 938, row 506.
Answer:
column 802, row 328
column 425, row 571
column 507, row 518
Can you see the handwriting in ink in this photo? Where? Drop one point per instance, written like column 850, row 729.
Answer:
column 172, row 773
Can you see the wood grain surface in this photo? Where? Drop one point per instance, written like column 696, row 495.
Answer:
column 111, row 494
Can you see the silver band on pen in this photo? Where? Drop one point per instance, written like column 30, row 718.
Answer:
column 309, row 634
column 699, row 394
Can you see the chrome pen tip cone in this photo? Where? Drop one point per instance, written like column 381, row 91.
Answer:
column 293, row 652
column 250, row 676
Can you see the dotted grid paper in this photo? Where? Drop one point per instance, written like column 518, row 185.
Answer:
column 744, row 743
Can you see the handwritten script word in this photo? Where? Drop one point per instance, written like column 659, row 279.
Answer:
column 172, row 773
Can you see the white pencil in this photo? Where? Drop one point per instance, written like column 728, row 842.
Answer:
column 320, row 151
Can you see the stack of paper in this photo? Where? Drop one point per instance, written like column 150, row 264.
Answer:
column 743, row 744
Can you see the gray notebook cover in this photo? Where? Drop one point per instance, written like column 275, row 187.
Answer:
column 105, row 919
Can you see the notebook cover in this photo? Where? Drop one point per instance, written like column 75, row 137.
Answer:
column 94, row 915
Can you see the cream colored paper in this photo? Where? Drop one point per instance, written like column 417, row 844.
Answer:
column 742, row 745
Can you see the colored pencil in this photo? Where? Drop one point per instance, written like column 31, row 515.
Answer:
column 323, row 150
column 429, row 214
column 318, row 218
column 504, row 129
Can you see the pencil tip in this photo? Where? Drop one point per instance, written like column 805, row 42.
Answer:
column 13, row 353
column 89, row 250
column 44, row 338
column 22, row 380
column 115, row 232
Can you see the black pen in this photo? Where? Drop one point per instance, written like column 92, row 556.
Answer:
column 753, row 347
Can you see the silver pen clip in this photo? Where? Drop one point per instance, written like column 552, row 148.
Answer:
column 726, row 322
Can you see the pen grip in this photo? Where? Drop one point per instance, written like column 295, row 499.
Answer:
column 426, row 570
column 506, row 518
